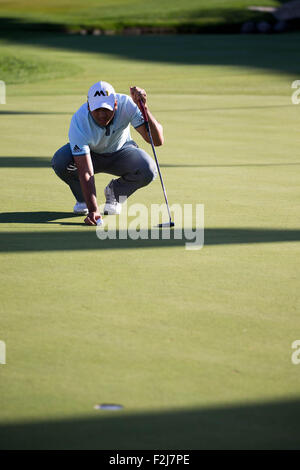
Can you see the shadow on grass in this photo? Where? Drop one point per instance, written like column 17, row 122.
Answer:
column 175, row 165
column 271, row 425
column 273, row 52
column 42, row 217
column 25, row 113
column 87, row 240
column 25, row 162
column 13, row 113
column 227, row 108
column 44, row 162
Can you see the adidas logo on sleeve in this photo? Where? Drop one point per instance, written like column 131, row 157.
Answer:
column 76, row 149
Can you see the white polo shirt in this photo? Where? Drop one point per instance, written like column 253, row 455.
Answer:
column 85, row 135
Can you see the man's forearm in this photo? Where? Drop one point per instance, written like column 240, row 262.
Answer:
column 156, row 130
column 87, row 182
column 139, row 96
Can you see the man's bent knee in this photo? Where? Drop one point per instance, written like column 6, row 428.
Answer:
column 148, row 175
column 61, row 159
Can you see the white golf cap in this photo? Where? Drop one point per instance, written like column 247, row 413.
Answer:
column 101, row 95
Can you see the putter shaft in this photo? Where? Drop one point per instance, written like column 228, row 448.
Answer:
column 145, row 115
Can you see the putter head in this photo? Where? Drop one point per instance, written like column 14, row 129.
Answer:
column 166, row 224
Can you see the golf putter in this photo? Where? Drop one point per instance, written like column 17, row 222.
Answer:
column 145, row 116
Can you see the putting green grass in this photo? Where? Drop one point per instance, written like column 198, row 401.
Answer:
column 18, row 67
column 196, row 345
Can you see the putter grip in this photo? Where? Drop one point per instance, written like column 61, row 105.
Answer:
column 144, row 112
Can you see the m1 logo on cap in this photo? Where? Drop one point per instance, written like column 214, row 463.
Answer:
column 101, row 93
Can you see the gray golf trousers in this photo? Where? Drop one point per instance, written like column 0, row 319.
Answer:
column 133, row 165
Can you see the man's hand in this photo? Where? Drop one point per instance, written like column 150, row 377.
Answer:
column 92, row 218
column 138, row 94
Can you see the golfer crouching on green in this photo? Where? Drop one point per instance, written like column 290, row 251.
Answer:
column 100, row 142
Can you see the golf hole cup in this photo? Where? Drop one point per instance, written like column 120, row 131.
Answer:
column 108, row 407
